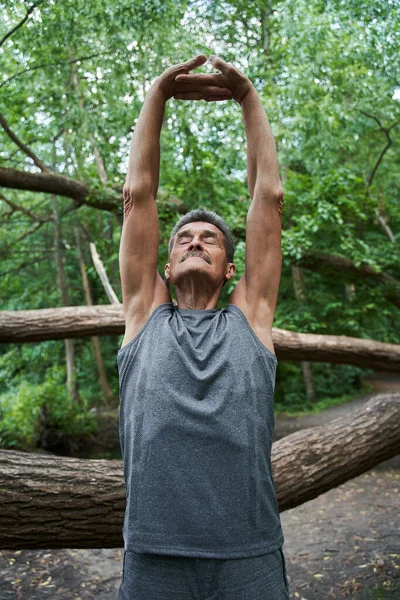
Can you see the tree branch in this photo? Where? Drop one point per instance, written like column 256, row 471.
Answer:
column 98, row 264
column 386, row 131
column 43, row 65
column 6, row 250
column 31, row 9
column 53, row 183
column 17, row 269
column 23, row 147
column 25, row 211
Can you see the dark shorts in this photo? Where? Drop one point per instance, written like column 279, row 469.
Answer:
column 161, row 577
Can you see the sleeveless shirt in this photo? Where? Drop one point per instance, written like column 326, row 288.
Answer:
column 196, row 424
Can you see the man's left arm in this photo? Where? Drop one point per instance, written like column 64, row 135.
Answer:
column 263, row 224
column 257, row 290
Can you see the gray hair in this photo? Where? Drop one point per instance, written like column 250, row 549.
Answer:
column 209, row 216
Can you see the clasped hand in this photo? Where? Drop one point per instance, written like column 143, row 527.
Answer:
column 179, row 83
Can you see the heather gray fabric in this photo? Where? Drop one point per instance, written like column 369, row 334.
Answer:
column 196, row 427
column 159, row 577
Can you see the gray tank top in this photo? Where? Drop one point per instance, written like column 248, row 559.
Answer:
column 196, row 426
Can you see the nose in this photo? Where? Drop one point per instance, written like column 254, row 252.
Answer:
column 195, row 244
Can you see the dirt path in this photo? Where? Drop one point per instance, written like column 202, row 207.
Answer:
column 343, row 544
column 382, row 383
column 346, row 542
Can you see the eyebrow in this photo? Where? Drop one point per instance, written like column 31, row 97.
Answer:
column 190, row 232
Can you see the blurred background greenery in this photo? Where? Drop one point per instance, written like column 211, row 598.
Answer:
column 73, row 79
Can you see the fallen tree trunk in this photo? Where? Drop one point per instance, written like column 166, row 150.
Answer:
column 53, row 502
column 312, row 461
column 335, row 349
column 60, row 323
column 82, row 321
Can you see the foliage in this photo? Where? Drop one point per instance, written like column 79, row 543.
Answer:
column 21, row 412
column 334, row 384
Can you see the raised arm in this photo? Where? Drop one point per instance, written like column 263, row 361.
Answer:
column 139, row 240
column 144, row 158
column 263, row 262
column 262, row 158
column 257, row 291
column 142, row 287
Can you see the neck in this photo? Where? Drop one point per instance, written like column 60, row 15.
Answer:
column 193, row 299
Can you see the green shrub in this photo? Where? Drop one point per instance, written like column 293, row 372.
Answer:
column 22, row 417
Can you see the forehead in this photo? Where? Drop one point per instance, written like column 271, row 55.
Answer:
column 199, row 226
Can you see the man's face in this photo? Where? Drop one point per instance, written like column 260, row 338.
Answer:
column 198, row 250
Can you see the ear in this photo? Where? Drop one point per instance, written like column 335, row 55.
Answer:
column 231, row 270
column 166, row 270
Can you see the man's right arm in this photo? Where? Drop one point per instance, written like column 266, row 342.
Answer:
column 144, row 157
column 139, row 240
column 142, row 286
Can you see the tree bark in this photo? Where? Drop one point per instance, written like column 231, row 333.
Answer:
column 81, row 321
column 72, row 384
column 299, row 292
column 308, row 378
column 56, row 502
column 326, row 456
column 105, row 387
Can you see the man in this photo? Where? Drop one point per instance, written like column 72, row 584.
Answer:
column 197, row 382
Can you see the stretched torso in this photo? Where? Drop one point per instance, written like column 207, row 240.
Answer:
column 196, row 427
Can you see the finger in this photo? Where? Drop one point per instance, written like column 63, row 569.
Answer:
column 217, row 98
column 217, row 91
column 200, row 96
column 203, row 89
column 219, row 64
column 189, row 96
column 202, row 78
column 198, row 60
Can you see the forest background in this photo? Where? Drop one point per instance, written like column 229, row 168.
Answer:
column 73, row 79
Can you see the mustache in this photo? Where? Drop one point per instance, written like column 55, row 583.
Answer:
column 200, row 254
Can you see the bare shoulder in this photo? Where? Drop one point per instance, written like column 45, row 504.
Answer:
column 139, row 309
column 257, row 314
